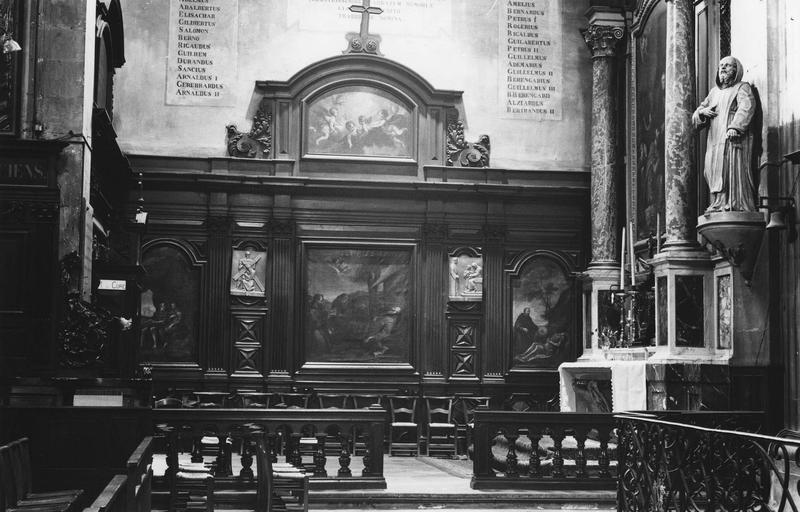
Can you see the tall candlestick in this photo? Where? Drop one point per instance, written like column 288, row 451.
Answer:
column 622, row 261
column 633, row 256
column 658, row 232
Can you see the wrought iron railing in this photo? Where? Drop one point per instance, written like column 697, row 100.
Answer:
column 672, row 465
column 543, row 450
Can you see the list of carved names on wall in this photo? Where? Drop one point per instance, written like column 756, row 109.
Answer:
column 202, row 52
column 530, row 59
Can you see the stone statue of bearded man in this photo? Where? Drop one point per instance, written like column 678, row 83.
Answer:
column 728, row 112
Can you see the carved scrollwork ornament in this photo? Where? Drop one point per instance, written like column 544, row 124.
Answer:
column 461, row 153
column 255, row 144
column 602, row 39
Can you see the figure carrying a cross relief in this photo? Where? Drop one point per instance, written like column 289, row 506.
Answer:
column 363, row 41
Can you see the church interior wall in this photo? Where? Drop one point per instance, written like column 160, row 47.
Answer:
column 455, row 46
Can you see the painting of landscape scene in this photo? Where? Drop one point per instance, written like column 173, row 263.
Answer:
column 357, row 305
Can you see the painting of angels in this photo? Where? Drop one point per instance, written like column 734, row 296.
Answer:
column 359, row 121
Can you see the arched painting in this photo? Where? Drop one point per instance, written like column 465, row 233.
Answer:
column 651, row 53
column 357, row 305
column 359, row 121
column 169, row 312
column 542, row 314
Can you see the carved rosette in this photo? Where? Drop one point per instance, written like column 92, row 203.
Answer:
column 371, row 43
column 602, row 39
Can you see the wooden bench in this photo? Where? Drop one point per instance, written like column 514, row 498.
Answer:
column 280, row 486
column 16, row 486
column 130, row 492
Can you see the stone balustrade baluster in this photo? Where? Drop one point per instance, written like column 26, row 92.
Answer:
column 246, row 458
column 293, row 454
column 344, row 455
column 535, row 465
column 367, row 453
column 558, row 459
column 272, row 448
column 580, row 456
column 602, row 458
column 223, row 457
column 319, row 456
column 511, row 459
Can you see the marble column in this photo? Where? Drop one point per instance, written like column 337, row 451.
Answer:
column 680, row 173
column 605, row 32
column 602, row 41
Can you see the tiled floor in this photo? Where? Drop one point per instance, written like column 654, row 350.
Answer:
column 420, row 484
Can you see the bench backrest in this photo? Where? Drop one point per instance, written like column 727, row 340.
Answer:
column 112, row 497
column 140, row 477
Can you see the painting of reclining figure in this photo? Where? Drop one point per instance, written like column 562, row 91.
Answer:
column 359, row 121
column 542, row 315
column 357, row 305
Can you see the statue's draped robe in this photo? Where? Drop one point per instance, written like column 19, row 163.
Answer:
column 727, row 167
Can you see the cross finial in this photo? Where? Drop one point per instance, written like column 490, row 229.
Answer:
column 363, row 41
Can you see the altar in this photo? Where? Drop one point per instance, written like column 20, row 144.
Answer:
column 603, row 386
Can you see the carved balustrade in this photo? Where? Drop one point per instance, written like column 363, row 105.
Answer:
column 543, row 450
column 299, row 435
column 671, row 465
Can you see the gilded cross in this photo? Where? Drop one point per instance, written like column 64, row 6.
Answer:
column 365, row 11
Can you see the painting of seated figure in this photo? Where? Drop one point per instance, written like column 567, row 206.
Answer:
column 169, row 308
column 359, row 121
column 542, row 302
column 357, row 304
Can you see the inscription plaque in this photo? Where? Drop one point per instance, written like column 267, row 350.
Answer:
column 202, row 52
column 530, row 39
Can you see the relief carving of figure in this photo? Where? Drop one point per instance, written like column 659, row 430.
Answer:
column 245, row 278
column 473, row 277
column 728, row 112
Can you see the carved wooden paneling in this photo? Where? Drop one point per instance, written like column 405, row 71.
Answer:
column 217, row 289
column 464, row 340
column 433, row 288
column 496, row 348
column 281, row 343
column 463, row 364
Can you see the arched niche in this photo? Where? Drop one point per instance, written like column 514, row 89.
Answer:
column 361, row 86
column 170, row 313
column 543, row 311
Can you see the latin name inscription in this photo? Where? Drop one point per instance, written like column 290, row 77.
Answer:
column 530, row 59
column 201, row 56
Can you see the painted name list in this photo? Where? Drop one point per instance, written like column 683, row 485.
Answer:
column 530, row 59
column 202, row 52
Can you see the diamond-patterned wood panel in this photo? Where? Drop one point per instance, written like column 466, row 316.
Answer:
column 248, row 340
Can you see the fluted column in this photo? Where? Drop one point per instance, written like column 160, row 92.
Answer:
column 602, row 41
column 680, row 169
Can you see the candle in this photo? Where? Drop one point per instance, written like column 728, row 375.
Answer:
column 622, row 261
column 632, row 256
column 658, row 232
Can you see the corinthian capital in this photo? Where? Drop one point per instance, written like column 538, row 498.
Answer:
column 602, row 39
